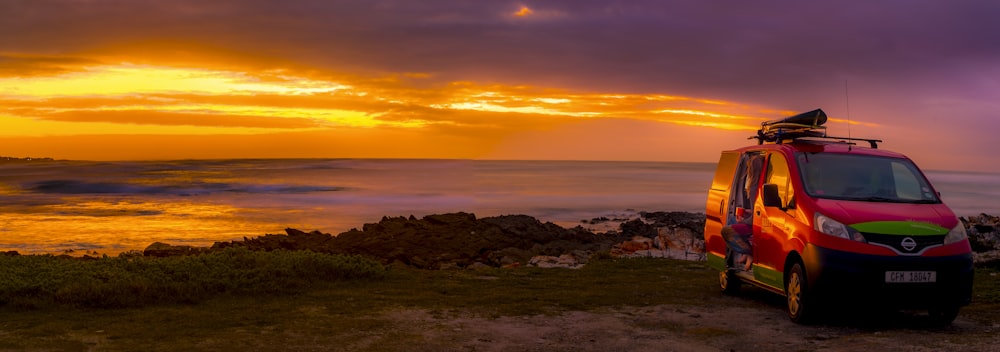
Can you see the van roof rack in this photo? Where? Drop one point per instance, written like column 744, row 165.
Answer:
column 805, row 125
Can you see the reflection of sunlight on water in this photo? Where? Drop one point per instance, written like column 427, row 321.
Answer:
column 113, row 227
column 120, row 206
column 116, row 207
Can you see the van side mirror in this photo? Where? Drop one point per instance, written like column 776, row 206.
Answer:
column 770, row 195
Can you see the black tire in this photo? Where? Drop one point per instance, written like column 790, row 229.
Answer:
column 943, row 316
column 800, row 309
column 729, row 283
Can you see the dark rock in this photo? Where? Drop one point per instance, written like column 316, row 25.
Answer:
column 982, row 231
column 637, row 227
column 460, row 240
column 984, row 228
column 599, row 220
column 691, row 221
column 160, row 249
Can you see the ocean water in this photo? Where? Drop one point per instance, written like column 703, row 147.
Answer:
column 111, row 207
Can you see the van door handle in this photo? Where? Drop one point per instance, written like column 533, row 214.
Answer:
column 721, row 203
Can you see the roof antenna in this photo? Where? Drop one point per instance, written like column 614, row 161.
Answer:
column 847, row 100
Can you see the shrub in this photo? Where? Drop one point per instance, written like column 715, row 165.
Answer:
column 129, row 281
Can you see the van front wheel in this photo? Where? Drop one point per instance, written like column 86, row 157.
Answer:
column 797, row 291
column 944, row 315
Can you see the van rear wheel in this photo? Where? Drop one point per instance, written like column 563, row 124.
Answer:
column 797, row 292
column 729, row 283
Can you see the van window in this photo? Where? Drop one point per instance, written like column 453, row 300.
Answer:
column 777, row 173
column 907, row 185
column 724, row 171
column 864, row 178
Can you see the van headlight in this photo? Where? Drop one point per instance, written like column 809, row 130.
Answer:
column 835, row 228
column 956, row 234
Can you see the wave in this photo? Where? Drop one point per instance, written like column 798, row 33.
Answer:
column 79, row 187
column 198, row 188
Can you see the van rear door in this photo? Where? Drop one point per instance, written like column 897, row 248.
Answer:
column 717, row 205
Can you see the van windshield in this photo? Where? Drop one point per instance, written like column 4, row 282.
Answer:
column 863, row 178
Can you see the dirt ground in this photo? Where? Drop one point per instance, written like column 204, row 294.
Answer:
column 685, row 328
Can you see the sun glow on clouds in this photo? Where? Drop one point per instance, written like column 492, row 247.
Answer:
column 188, row 91
column 128, row 94
column 143, row 79
column 523, row 12
column 716, row 120
column 398, row 110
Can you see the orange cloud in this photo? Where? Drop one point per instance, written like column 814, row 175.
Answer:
column 854, row 122
column 408, row 114
column 165, row 118
column 523, row 11
column 13, row 64
column 85, row 94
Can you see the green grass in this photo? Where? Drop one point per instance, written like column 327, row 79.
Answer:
column 985, row 305
column 325, row 307
column 350, row 312
column 528, row 291
column 46, row 281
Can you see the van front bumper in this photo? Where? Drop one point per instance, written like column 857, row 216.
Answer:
column 846, row 276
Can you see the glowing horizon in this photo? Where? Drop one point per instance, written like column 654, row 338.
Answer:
column 143, row 99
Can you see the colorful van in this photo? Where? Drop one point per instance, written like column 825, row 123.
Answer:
column 823, row 219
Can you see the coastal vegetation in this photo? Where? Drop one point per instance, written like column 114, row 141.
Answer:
column 40, row 281
column 305, row 300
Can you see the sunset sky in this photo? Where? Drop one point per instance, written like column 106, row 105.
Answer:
column 572, row 79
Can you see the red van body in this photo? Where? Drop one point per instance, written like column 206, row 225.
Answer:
column 835, row 222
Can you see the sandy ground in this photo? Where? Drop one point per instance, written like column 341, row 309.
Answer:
column 687, row 328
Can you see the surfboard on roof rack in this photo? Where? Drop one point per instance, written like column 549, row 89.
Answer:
column 805, row 125
column 812, row 118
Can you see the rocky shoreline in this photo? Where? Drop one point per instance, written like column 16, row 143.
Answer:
column 461, row 240
column 984, row 236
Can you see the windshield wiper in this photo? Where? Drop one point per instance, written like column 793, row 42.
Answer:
column 896, row 200
column 879, row 199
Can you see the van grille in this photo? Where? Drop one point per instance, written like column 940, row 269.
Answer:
column 895, row 242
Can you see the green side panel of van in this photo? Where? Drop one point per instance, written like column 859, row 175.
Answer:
column 716, row 262
column 769, row 277
column 910, row 228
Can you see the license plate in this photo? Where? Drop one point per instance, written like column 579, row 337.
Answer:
column 910, row 276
